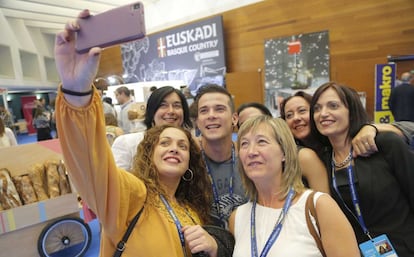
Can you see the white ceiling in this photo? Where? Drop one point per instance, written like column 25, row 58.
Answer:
column 28, row 28
column 51, row 15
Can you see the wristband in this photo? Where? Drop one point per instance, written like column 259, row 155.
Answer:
column 75, row 93
column 376, row 130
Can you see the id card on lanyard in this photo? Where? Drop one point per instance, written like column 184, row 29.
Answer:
column 374, row 246
column 378, row 246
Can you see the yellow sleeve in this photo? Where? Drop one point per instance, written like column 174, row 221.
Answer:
column 113, row 194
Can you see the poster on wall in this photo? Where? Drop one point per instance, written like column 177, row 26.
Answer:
column 384, row 82
column 193, row 53
column 294, row 63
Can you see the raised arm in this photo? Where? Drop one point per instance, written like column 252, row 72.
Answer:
column 364, row 142
column 81, row 127
column 76, row 71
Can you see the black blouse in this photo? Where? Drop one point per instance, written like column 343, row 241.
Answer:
column 385, row 186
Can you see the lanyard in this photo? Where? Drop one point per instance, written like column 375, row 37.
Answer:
column 215, row 190
column 354, row 196
column 276, row 230
column 177, row 223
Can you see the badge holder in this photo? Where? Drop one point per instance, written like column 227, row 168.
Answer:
column 379, row 246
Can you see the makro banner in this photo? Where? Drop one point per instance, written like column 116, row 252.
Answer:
column 193, row 53
column 384, row 82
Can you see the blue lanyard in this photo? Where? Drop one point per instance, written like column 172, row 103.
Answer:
column 354, row 196
column 276, row 230
column 215, row 190
column 177, row 223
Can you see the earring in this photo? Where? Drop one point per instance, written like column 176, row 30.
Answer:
column 187, row 177
column 283, row 166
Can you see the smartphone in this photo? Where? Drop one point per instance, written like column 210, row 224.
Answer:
column 116, row 26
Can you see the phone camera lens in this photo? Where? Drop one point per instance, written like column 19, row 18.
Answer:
column 136, row 6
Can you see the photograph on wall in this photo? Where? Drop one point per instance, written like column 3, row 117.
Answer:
column 192, row 53
column 295, row 63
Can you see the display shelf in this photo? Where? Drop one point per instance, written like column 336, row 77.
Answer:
column 22, row 225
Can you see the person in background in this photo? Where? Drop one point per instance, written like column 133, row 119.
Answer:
column 41, row 122
column 6, row 117
column 112, row 129
column 193, row 117
column 251, row 109
column 376, row 193
column 295, row 111
column 108, row 100
column 41, row 103
column 401, row 99
column 108, row 106
column 273, row 223
column 166, row 105
column 7, row 137
column 123, row 96
column 216, row 119
column 53, row 117
column 152, row 89
column 168, row 182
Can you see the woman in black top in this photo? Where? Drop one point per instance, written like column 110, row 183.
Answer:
column 383, row 182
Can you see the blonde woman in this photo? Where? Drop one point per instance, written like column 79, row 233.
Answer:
column 273, row 222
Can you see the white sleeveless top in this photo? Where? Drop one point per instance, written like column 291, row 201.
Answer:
column 294, row 238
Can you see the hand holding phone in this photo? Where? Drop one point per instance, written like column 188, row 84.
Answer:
column 116, row 26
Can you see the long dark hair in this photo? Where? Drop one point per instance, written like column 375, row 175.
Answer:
column 311, row 140
column 155, row 100
column 306, row 96
column 358, row 117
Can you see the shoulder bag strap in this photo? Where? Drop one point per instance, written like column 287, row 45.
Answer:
column 310, row 210
column 122, row 244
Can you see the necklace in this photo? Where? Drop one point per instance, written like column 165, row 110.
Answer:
column 342, row 163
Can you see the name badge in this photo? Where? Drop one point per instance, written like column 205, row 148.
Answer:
column 379, row 246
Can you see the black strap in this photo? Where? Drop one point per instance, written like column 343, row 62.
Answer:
column 76, row 93
column 122, row 244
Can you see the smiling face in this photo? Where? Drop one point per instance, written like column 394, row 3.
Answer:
column 297, row 117
column 172, row 154
column 215, row 118
column 261, row 155
column 331, row 116
column 170, row 111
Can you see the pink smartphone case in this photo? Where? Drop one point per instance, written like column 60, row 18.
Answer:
column 119, row 25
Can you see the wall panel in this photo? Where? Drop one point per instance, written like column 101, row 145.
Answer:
column 362, row 34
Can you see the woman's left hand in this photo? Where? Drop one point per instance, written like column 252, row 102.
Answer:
column 199, row 240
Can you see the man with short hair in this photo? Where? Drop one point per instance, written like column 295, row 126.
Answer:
column 216, row 118
column 123, row 96
column 401, row 100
